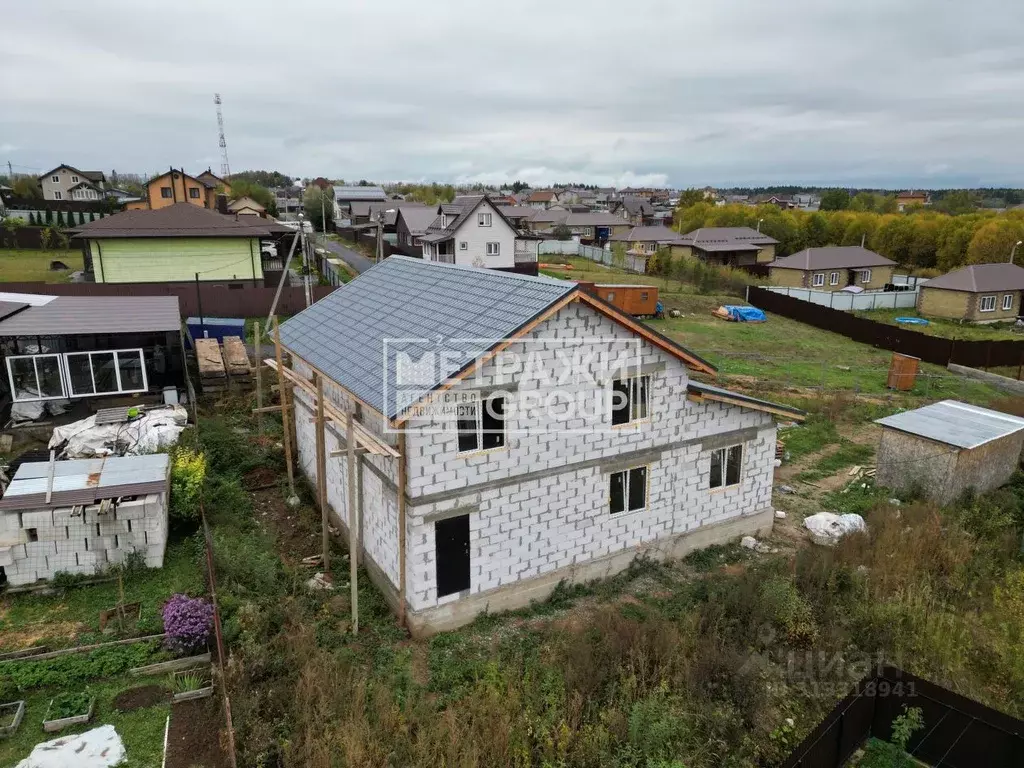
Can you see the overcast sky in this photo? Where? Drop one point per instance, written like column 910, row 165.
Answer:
column 683, row 93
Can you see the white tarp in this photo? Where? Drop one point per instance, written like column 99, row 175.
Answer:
column 156, row 430
column 99, row 748
column 828, row 528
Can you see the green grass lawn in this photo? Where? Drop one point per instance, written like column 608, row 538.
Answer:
column 72, row 617
column 947, row 329
column 141, row 730
column 34, row 266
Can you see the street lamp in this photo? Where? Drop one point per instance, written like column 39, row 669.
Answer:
column 759, row 225
column 1014, row 251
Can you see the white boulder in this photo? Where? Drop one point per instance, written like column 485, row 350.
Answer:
column 827, row 528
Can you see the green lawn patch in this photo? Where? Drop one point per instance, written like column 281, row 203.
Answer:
column 947, row 329
column 72, row 617
column 29, row 266
column 848, row 455
column 809, row 437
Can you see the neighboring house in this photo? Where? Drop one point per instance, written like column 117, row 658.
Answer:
column 545, row 220
column 595, row 228
column 519, row 215
column 85, row 190
column 644, row 241
column 88, row 347
column 288, row 201
column 246, row 206
column 542, row 199
column 175, row 186
column 980, row 293
column 471, row 231
column 568, row 197
column 833, row 268
column 729, row 246
column 92, row 514
column 781, row 201
column 176, row 243
column 911, row 197
column 636, row 210
column 486, row 507
column 710, row 194
column 947, row 448
column 344, row 197
column 411, row 224
column 807, row 202
column 58, row 183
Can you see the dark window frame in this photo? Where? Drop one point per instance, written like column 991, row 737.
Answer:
column 629, row 490
column 481, row 425
column 636, row 406
column 726, row 468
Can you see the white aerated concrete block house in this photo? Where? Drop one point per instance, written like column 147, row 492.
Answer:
column 545, row 436
column 83, row 515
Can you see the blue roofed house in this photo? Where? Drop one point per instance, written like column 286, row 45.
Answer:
column 470, row 491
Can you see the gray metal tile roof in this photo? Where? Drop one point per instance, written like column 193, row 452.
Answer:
column 460, row 312
column 67, row 315
column 981, row 278
column 955, row 423
column 833, row 257
column 83, row 481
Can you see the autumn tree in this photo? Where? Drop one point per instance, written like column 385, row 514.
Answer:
column 835, row 200
column 27, row 186
column 319, row 207
column 245, row 188
column 993, row 241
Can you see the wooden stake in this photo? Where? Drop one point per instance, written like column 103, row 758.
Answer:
column 284, row 408
column 321, row 474
column 353, row 520
column 401, row 527
column 259, row 379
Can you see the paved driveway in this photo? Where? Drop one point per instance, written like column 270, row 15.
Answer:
column 354, row 259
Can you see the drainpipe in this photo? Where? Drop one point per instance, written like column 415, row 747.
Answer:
column 99, row 253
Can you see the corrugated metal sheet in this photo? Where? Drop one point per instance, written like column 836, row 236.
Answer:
column 67, row 315
column 955, row 423
column 343, row 334
column 85, row 481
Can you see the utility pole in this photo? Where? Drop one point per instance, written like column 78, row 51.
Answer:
column 305, row 262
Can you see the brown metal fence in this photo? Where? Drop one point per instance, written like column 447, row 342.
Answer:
column 958, row 732
column 931, row 349
column 225, row 699
column 216, row 300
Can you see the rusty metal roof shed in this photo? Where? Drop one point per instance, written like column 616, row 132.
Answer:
column 85, row 481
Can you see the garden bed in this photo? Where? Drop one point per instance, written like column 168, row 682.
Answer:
column 193, row 735
column 139, row 698
column 68, row 709
column 191, row 684
column 11, row 715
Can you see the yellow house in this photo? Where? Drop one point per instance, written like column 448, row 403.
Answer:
column 833, row 268
column 728, row 246
column 980, row 293
column 176, row 186
column 174, row 244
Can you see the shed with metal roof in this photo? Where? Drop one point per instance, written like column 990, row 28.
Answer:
column 948, row 447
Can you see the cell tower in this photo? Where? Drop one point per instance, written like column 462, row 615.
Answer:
column 225, row 168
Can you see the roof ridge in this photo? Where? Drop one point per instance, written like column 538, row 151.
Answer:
column 507, row 275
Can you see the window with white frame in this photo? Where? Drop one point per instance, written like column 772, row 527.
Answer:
column 35, row 377
column 725, row 467
column 627, row 490
column 493, row 249
column 444, row 220
column 463, row 245
column 105, row 373
column 631, row 399
column 819, row 279
column 1007, row 302
column 74, row 179
column 483, row 219
column 987, row 304
column 481, row 425
column 55, row 179
column 865, row 275
column 833, row 279
column 57, row 195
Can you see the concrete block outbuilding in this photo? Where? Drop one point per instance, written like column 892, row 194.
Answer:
column 947, row 447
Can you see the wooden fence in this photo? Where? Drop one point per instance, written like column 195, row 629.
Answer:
column 216, row 300
column 931, row 349
column 958, row 732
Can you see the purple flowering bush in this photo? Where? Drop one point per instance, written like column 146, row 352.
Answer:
column 188, row 622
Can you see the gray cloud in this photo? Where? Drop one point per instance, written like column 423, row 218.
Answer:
column 736, row 91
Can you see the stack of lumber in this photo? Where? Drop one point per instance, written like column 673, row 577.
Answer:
column 212, row 375
column 236, row 360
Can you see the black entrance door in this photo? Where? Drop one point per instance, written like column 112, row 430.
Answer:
column 451, row 549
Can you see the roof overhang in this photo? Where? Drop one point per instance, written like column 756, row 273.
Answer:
column 698, row 392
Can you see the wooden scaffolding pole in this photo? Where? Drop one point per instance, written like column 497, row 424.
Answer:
column 401, row 527
column 353, row 520
column 259, row 378
column 283, row 390
column 321, row 474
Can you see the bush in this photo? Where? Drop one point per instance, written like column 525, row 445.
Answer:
column 188, row 471
column 188, row 622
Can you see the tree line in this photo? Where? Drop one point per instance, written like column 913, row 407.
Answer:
column 920, row 239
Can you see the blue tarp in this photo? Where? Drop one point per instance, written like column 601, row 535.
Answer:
column 745, row 314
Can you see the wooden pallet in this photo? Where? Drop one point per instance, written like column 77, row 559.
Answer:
column 236, row 361
column 212, row 374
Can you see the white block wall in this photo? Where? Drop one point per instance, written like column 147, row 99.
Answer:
column 529, row 528
column 81, row 544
